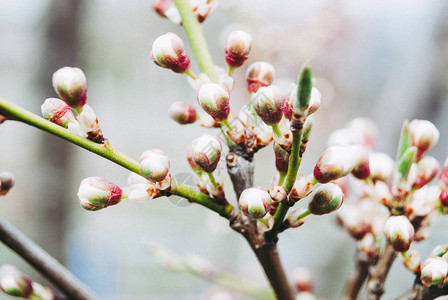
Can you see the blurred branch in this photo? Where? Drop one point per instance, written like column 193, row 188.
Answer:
column 378, row 273
column 421, row 292
column 43, row 262
column 356, row 279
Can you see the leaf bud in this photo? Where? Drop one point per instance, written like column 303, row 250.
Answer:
column 71, row 86
column 168, row 51
column 89, row 124
column 293, row 221
column 302, row 280
column 268, row 103
column 411, row 260
column 206, row 152
column 57, row 111
column 237, row 48
column 95, row 193
column 14, row 283
column 214, row 99
column 154, row 165
column 259, row 74
column 327, row 198
column 399, row 232
column 381, row 166
column 6, row 182
column 424, row 135
column 434, row 271
column 255, row 202
column 304, row 87
column 427, row 169
column 182, row 113
column 335, row 162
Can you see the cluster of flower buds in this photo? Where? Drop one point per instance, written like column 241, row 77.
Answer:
column 6, row 182
column 71, row 86
column 96, row 193
column 14, row 283
column 167, row 9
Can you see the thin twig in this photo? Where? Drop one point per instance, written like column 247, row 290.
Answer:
column 356, row 279
column 378, row 273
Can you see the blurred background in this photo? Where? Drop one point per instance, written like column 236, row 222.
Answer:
column 386, row 60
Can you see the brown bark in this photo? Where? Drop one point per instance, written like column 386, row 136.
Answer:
column 356, row 279
column 378, row 273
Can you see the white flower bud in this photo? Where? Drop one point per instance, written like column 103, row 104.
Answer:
column 168, row 51
column 96, row 193
column 206, row 152
column 259, row 74
column 214, row 99
column 154, row 165
column 399, row 232
column 57, row 111
column 434, row 271
column 424, row 135
column 237, row 48
column 89, row 124
column 255, row 202
column 71, row 86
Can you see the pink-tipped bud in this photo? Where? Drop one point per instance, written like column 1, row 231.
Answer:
column 96, row 193
column 237, row 48
column 281, row 158
column 295, row 218
column 335, row 162
column 381, row 166
column 354, row 222
column 327, row 198
column 444, row 199
column 434, row 271
column 206, row 152
column 14, row 283
column 259, row 74
column 443, row 177
column 427, row 169
column 255, row 202
column 182, row 113
column 302, row 280
column 268, row 104
column 411, row 260
column 167, row 9
column 399, row 232
column 214, row 99
column 71, row 86
column 154, row 165
column 88, row 123
column 423, row 135
column 6, row 182
column 362, row 167
column 168, row 51
column 57, row 111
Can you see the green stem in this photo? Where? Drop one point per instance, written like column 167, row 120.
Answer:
column 305, row 214
column 276, row 130
column 195, row 34
column 212, row 179
column 14, row 112
column 281, row 178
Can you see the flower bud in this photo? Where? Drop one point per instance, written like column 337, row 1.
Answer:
column 443, row 177
column 206, row 121
column 168, row 51
column 89, row 124
column 369, row 246
column 255, row 202
column 14, row 283
column 423, row 202
column 423, row 135
column 444, row 200
column 383, row 193
column 201, row 9
column 439, row 251
column 411, row 260
column 281, row 158
column 167, row 9
column 206, row 152
column 259, row 74
column 71, row 86
column 434, row 271
column 57, row 111
column 42, row 293
column 268, row 104
column 6, row 182
column 314, row 104
column 327, row 198
column 141, row 192
column 292, row 220
column 302, row 280
column 427, row 169
column 96, row 193
column 277, row 194
column 154, row 165
column 335, row 162
column 301, row 188
column 362, row 167
column 354, row 222
column 214, row 99
column 399, row 232
column 381, row 166
column 237, row 48
column 182, row 113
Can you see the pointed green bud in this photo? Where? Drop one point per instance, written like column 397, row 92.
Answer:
column 327, row 198
column 154, row 165
column 57, row 111
column 304, row 86
column 214, row 99
column 399, row 232
column 183, row 113
column 268, row 104
column 168, row 51
column 259, row 74
column 406, row 161
column 237, row 48
column 255, row 202
column 14, row 283
column 405, row 141
column 434, row 271
column 206, row 152
column 424, row 135
column 95, row 193
column 71, row 86
column 6, row 182
column 281, row 158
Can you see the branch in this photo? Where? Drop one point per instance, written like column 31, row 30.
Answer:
column 43, row 262
column 356, row 279
column 241, row 171
column 378, row 274
column 421, row 292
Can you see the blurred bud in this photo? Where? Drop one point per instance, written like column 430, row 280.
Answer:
column 259, row 74
column 423, row 202
column 201, row 8
column 422, row 234
column 302, row 280
column 71, row 86
column 362, row 167
column 292, row 220
column 434, row 271
column 268, row 103
column 6, row 182
column 89, row 124
column 364, row 132
column 226, row 81
column 141, row 192
column 381, row 166
column 277, row 194
column 237, row 48
column 167, row 9
column 355, row 222
column 42, row 293
column 443, row 177
column 439, row 251
column 214, row 99
column 207, row 121
column 255, row 202
column 444, row 199
column 327, row 198
column 383, row 193
column 190, row 160
column 2, row 119
column 423, row 135
column 14, row 283
column 154, row 165
column 411, row 260
column 57, row 111
column 95, row 193
column 335, row 162
column 399, row 232
column 301, row 188
column 182, row 113
column 427, row 169
column 305, row 296
column 197, row 82
column 369, row 246
column 168, row 51
column 206, row 152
